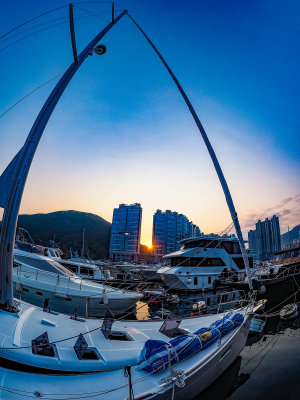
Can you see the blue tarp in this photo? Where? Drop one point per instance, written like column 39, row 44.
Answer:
column 155, row 355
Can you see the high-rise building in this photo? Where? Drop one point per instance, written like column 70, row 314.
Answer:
column 126, row 232
column 265, row 239
column 168, row 229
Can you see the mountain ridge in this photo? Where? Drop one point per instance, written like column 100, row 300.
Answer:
column 293, row 234
column 66, row 228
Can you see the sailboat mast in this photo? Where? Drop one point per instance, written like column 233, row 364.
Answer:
column 82, row 250
column 212, row 154
column 14, row 177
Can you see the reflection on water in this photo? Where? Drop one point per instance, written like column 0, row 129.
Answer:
column 187, row 306
column 268, row 367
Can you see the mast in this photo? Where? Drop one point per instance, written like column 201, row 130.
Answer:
column 82, row 250
column 212, row 154
column 13, row 179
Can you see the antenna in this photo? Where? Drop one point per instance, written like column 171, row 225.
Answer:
column 72, row 33
column 113, row 12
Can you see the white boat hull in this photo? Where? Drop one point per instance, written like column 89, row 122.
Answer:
column 85, row 306
column 201, row 370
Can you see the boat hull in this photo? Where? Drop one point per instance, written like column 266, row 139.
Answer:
column 199, row 375
column 206, row 374
column 86, row 306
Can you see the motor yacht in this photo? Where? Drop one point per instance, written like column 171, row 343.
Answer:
column 202, row 261
column 81, row 266
column 38, row 278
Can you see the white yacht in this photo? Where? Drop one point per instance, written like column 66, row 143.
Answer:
column 202, row 261
column 37, row 278
column 81, row 266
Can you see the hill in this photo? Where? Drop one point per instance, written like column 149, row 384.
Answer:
column 66, row 228
column 294, row 234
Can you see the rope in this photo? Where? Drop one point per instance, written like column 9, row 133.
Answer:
column 97, row 328
column 40, row 30
column 28, row 94
column 127, row 374
column 32, row 19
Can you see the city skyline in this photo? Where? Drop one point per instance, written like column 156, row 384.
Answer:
column 126, row 231
column 104, row 146
column 169, row 227
column 265, row 240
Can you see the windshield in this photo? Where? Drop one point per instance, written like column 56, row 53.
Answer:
column 44, row 265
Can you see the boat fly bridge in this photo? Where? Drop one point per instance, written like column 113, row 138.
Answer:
column 201, row 262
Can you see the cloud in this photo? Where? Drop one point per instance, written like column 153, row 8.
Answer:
column 287, row 215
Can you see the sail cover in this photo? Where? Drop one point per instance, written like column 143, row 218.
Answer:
column 6, row 178
column 154, row 356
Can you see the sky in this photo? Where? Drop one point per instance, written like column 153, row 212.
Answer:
column 121, row 133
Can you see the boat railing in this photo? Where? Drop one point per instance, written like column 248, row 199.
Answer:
column 262, row 273
column 238, row 301
column 58, row 280
column 283, row 271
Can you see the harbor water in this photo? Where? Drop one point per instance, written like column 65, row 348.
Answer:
column 269, row 366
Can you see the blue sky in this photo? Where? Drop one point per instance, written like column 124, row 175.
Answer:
column 121, row 132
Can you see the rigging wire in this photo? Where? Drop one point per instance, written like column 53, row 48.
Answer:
column 32, row 91
column 40, row 30
column 91, row 13
column 94, row 329
column 32, row 19
column 118, row 319
column 36, row 26
column 98, row 393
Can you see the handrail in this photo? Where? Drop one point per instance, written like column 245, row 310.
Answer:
column 58, row 280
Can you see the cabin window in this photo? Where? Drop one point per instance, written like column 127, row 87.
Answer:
column 209, row 280
column 119, row 336
column 44, row 264
column 42, row 347
column 196, row 280
column 25, row 290
column 86, row 271
column 197, row 261
column 72, row 268
column 90, row 354
column 208, row 301
column 39, row 293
